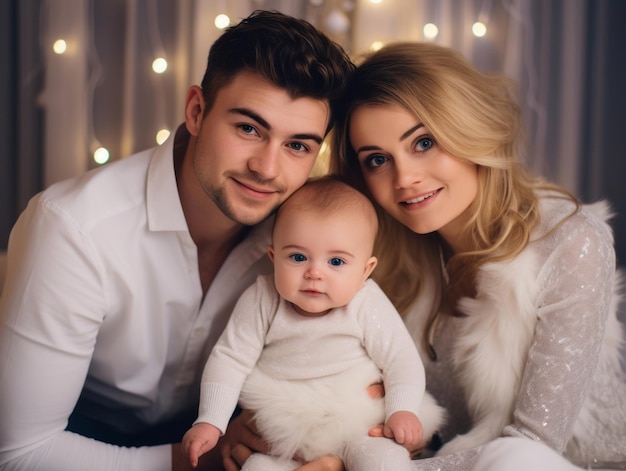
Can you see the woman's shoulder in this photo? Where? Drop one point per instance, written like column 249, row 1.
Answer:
column 563, row 220
column 576, row 236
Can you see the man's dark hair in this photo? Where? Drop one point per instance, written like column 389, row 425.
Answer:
column 288, row 52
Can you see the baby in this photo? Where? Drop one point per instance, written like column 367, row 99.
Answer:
column 303, row 345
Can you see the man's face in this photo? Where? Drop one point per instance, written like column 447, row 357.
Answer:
column 256, row 146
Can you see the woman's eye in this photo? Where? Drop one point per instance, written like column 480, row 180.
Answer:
column 336, row 262
column 375, row 161
column 297, row 257
column 425, row 143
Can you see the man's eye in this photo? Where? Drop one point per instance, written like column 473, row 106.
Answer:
column 298, row 147
column 247, row 128
column 297, row 257
column 336, row 262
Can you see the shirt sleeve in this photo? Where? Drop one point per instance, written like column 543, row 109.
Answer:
column 392, row 349
column 236, row 353
column 578, row 281
column 50, row 314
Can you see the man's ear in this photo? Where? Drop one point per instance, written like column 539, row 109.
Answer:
column 270, row 253
column 369, row 267
column 194, row 109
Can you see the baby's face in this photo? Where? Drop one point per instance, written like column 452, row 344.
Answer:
column 321, row 261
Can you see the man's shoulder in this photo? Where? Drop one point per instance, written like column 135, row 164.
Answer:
column 101, row 192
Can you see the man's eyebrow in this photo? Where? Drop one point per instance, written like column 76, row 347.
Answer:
column 314, row 137
column 255, row 116
column 411, row 131
column 252, row 115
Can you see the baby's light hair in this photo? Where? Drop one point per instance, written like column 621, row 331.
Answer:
column 329, row 195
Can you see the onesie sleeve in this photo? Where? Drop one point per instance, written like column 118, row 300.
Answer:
column 392, row 349
column 236, row 352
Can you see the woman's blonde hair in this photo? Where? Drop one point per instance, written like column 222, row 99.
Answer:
column 472, row 116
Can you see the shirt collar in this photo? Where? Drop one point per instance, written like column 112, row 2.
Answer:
column 165, row 212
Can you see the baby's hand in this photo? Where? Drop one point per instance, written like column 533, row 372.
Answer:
column 198, row 440
column 405, row 428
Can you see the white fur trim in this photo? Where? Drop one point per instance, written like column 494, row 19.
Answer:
column 492, row 345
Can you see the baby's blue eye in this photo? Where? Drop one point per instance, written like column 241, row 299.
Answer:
column 297, row 257
column 336, row 262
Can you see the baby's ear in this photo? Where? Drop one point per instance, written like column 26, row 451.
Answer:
column 270, row 253
column 369, row 267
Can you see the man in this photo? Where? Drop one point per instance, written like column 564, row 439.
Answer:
column 120, row 281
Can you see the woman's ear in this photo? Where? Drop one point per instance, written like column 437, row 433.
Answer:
column 369, row 267
column 194, row 109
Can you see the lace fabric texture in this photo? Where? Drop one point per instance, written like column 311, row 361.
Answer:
column 572, row 393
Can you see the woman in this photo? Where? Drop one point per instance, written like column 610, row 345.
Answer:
column 507, row 283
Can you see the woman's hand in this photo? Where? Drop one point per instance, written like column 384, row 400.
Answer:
column 240, row 441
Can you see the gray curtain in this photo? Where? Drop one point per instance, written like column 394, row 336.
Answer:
column 21, row 133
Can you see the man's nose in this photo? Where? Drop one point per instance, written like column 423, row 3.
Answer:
column 266, row 161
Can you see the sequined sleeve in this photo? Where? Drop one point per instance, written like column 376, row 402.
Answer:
column 576, row 283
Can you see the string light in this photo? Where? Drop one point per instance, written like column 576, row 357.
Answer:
column 430, row 30
column 101, row 155
column 479, row 29
column 159, row 65
column 59, row 46
column 222, row 21
column 376, row 45
column 162, row 136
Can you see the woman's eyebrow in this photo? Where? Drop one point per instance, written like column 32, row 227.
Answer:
column 411, row 131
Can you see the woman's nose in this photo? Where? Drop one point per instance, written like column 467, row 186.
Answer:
column 408, row 172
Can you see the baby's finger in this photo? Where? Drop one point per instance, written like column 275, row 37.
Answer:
column 193, row 453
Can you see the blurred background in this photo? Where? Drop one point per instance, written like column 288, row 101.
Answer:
column 86, row 82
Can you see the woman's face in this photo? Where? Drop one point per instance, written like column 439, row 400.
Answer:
column 409, row 175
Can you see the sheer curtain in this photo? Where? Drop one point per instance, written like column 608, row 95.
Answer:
column 102, row 91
